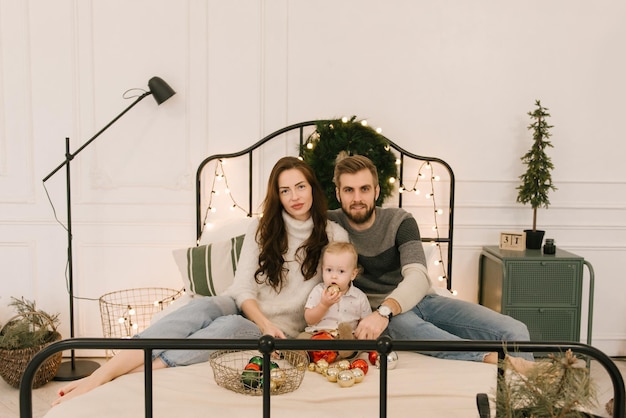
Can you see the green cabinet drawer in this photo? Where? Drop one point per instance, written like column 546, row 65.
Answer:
column 543, row 283
column 549, row 324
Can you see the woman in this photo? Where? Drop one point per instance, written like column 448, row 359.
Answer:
column 277, row 270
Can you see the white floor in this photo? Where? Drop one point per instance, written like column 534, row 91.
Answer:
column 43, row 396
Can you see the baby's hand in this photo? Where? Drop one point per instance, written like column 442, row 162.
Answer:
column 331, row 295
column 333, row 289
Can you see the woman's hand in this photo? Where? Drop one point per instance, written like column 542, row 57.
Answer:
column 273, row 330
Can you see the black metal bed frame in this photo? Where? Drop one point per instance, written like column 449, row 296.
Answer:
column 266, row 345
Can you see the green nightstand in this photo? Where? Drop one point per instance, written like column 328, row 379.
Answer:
column 543, row 291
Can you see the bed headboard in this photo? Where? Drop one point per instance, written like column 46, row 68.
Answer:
column 232, row 186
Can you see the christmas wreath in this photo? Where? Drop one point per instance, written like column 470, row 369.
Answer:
column 356, row 138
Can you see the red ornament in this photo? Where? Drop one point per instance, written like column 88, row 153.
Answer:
column 253, row 366
column 328, row 355
column 373, row 356
column 360, row 364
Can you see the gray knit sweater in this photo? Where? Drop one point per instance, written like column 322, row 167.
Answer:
column 385, row 250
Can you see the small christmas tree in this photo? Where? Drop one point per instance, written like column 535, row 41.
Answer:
column 537, row 181
column 557, row 387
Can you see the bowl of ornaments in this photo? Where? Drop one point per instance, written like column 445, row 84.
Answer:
column 242, row 370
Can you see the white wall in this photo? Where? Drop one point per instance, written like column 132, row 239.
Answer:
column 448, row 79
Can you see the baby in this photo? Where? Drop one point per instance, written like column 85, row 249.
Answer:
column 335, row 306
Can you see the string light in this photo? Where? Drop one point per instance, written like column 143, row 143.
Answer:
column 425, row 173
column 219, row 175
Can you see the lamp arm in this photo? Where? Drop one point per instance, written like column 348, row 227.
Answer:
column 69, row 156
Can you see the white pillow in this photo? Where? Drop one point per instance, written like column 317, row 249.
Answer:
column 209, row 269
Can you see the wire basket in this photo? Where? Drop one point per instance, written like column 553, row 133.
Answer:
column 125, row 313
column 232, row 371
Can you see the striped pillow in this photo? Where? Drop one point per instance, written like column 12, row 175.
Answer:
column 209, row 269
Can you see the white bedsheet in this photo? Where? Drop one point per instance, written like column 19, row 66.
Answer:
column 420, row 386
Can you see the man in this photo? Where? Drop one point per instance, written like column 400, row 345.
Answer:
column 394, row 274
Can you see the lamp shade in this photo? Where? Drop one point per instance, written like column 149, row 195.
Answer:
column 160, row 89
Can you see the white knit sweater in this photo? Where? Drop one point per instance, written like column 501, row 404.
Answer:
column 284, row 309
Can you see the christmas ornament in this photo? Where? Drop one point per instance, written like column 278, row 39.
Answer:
column 258, row 360
column 343, row 364
column 327, row 355
column 360, row 364
column 321, row 366
column 252, row 366
column 278, row 377
column 332, row 373
column 346, row 378
column 359, row 375
column 250, row 379
column 251, row 375
column 333, row 289
column 373, row 357
column 392, row 361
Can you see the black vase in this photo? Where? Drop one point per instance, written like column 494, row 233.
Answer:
column 534, row 239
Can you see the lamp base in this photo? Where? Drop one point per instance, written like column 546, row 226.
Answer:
column 75, row 370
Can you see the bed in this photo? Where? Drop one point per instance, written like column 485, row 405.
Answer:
column 229, row 189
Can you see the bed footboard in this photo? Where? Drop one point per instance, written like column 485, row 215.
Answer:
column 266, row 345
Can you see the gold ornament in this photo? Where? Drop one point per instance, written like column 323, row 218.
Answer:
column 332, row 373
column 346, row 378
column 359, row 374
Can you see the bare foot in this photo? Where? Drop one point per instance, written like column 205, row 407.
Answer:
column 77, row 388
column 520, row 365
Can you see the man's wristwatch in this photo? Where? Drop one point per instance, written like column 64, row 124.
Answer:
column 384, row 310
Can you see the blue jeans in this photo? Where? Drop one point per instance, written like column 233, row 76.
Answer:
column 209, row 317
column 445, row 318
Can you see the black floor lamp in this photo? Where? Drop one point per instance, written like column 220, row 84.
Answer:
column 76, row 369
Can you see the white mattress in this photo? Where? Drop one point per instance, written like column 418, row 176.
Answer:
column 420, row 385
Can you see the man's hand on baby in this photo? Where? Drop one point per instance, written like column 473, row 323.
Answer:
column 371, row 327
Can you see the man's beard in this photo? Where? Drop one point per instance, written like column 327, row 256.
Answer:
column 359, row 218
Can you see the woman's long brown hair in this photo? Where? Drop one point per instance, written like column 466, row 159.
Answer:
column 272, row 235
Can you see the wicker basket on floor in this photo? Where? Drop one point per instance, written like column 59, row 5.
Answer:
column 231, row 372
column 13, row 362
column 124, row 313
